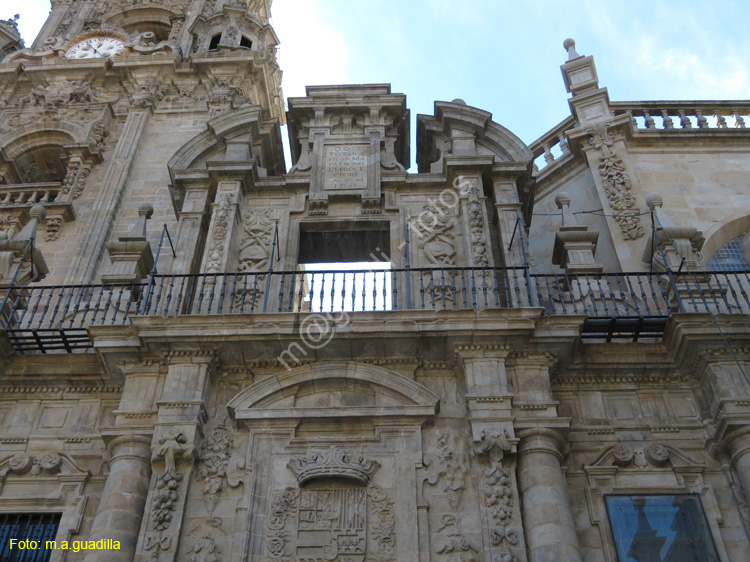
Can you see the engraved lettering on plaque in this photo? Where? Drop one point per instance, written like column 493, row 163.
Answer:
column 346, row 167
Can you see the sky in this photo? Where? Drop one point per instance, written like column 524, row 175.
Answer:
column 503, row 56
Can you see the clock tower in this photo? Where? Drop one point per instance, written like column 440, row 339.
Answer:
column 92, row 109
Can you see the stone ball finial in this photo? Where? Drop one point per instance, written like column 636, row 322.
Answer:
column 459, row 101
column 38, row 212
column 570, row 46
column 146, row 210
column 654, row 200
column 562, row 200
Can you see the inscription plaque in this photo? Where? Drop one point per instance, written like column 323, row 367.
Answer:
column 346, row 167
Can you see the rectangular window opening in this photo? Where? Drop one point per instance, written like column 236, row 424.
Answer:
column 347, row 267
column 660, row 528
column 37, row 527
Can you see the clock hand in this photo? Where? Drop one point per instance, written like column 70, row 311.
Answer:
column 95, row 49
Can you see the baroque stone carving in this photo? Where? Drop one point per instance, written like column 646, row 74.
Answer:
column 221, row 229
column 449, row 469
column 254, row 249
column 205, row 550
column 35, row 465
column 215, row 468
column 333, row 463
column 617, row 184
column 456, row 547
column 498, row 490
column 54, row 227
column 476, row 226
column 438, row 241
column 343, row 524
column 655, row 454
column 172, row 447
column 109, row 7
column 450, row 466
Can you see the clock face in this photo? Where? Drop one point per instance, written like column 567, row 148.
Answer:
column 96, row 47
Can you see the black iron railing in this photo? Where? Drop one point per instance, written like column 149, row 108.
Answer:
column 633, row 305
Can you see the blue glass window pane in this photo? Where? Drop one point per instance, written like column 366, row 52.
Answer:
column 660, row 529
column 730, row 257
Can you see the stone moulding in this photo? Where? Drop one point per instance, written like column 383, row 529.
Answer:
column 333, row 463
column 267, row 398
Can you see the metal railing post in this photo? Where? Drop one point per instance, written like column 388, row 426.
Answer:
column 532, row 300
column 408, row 265
column 146, row 301
column 270, row 266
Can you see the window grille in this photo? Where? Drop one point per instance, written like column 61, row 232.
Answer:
column 40, row 527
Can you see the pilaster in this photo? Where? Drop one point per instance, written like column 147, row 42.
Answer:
column 179, row 430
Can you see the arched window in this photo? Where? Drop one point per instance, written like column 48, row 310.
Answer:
column 730, row 257
column 43, row 164
column 245, row 42
column 214, row 45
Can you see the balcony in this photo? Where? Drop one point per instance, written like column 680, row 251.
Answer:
column 615, row 306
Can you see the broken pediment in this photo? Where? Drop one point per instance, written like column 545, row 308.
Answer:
column 462, row 131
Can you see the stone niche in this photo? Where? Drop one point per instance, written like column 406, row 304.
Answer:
column 345, row 138
column 334, row 450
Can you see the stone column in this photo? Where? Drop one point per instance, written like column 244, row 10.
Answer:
column 547, row 517
column 121, row 507
column 738, row 447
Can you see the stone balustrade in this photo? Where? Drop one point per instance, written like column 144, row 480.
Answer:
column 687, row 115
column 28, row 193
column 551, row 148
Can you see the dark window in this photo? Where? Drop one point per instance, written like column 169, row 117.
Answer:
column 32, row 526
column 245, row 42
column 214, row 45
column 660, row 529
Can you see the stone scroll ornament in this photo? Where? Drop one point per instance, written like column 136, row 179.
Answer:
column 617, row 184
column 448, row 471
column 498, row 490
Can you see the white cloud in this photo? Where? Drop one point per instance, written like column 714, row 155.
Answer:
column 311, row 52
column 33, row 15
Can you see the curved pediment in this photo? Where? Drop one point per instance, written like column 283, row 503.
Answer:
column 461, row 130
column 335, row 389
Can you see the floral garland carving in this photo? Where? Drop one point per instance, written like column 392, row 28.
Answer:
column 476, row 226
column 215, row 455
column 617, row 184
column 221, row 229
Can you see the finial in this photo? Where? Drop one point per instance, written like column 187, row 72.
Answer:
column 654, row 200
column 38, row 212
column 562, row 200
column 570, row 46
column 145, row 211
column 459, row 101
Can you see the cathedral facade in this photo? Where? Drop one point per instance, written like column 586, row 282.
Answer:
column 517, row 353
